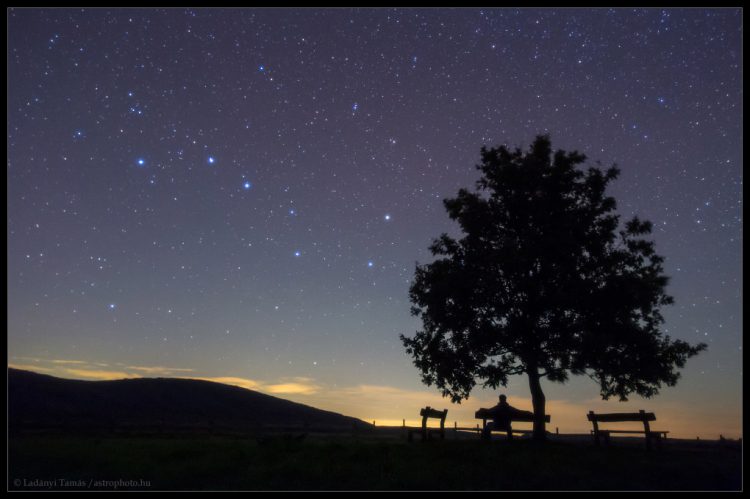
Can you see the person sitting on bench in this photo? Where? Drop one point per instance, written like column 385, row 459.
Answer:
column 501, row 415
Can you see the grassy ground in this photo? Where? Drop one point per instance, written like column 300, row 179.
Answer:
column 351, row 463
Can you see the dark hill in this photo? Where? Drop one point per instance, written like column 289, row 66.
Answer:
column 37, row 401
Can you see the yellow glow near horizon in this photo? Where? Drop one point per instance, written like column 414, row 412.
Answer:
column 248, row 384
column 100, row 375
column 390, row 406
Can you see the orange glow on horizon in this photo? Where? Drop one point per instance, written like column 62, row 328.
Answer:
column 390, row 406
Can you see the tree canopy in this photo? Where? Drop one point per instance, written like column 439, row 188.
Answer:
column 544, row 282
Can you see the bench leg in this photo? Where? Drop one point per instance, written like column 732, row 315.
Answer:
column 486, row 434
column 655, row 438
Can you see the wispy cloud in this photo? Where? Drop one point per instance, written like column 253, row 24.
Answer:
column 296, row 386
column 283, row 386
column 100, row 375
column 159, row 370
column 93, row 370
column 229, row 380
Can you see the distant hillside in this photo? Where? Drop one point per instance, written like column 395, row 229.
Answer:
column 41, row 401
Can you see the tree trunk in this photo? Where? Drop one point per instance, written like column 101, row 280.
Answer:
column 538, row 401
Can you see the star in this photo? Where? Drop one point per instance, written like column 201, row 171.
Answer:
column 91, row 219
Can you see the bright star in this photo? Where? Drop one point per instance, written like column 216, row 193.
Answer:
column 387, row 217
column 112, row 306
column 297, row 253
column 211, row 160
column 141, row 161
column 370, row 264
column 247, row 185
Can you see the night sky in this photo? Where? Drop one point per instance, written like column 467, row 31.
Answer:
column 226, row 193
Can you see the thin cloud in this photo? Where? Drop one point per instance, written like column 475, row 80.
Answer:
column 101, row 375
column 294, row 386
column 248, row 384
column 159, row 369
column 284, row 386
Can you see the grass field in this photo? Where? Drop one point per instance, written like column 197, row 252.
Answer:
column 359, row 463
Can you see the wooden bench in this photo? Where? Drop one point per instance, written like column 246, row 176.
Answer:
column 426, row 413
column 644, row 417
column 485, row 414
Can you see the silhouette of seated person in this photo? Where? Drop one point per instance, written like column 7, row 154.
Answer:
column 501, row 416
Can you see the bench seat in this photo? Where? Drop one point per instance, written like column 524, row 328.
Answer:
column 485, row 414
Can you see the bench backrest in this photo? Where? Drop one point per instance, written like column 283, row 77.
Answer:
column 429, row 412
column 641, row 415
column 487, row 414
column 528, row 419
column 622, row 416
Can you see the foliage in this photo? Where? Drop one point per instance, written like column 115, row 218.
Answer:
column 545, row 282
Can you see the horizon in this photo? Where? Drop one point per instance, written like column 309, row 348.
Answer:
column 242, row 194
column 572, row 415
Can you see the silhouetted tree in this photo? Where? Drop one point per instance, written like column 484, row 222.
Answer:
column 543, row 283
